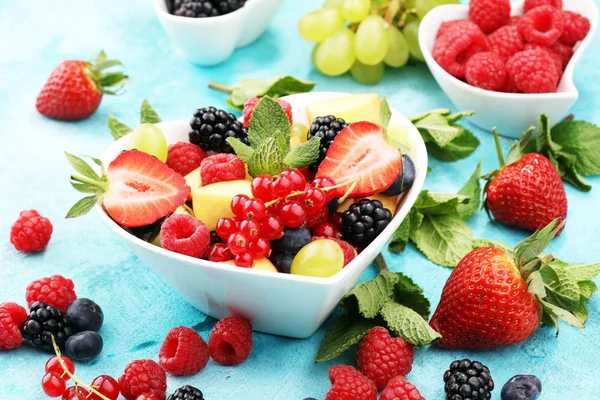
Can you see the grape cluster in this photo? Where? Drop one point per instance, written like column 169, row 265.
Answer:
column 364, row 36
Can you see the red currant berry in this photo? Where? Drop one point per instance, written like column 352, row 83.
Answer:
column 250, row 228
column 244, row 260
column 146, row 396
column 238, row 243
column 282, row 186
column 237, row 204
column 254, row 209
column 297, row 178
column 226, row 227
column 326, row 229
column 53, row 385
column 325, row 182
column 271, row 227
column 219, row 253
column 259, row 248
column 75, row 393
column 293, row 214
column 336, row 219
column 107, row 385
column 315, row 200
column 53, row 365
column 261, row 187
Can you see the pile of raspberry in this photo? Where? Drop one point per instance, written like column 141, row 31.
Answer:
column 518, row 54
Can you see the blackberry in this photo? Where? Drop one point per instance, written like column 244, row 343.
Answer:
column 325, row 128
column 468, row 380
column 364, row 221
column 42, row 323
column 405, row 178
column 227, row 6
column 210, row 128
column 195, row 8
column 187, row 392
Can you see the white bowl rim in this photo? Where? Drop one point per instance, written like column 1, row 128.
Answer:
column 331, row 281
column 160, row 7
column 568, row 73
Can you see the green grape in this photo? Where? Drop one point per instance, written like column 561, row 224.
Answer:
column 424, row 6
column 313, row 56
column 356, row 10
column 398, row 53
column 367, row 74
column 299, row 131
column 411, row 34
column 322, row 258
column 149, row 139
column 333, row 4
column 335, row 55
column 318, row 25
column 371, row 44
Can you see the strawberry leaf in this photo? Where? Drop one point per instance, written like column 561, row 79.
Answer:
column 555, row 313
column 530, row 248
column 408, row 324
column 587, row 289
column 345, row 332
column 148, row 115
column 82, row 167
column 83, row 206
column 117, row 128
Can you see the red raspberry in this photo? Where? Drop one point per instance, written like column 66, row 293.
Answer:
column 381, row 357
column 555, row 57
column 529, row 4
column 506, row 41
column 222, row 167
column 514, row 20
column 251, row 105
column 17, row 313
column 143, row 376
column 314, row 219
column 349, row 251
column 564, row 52
column 350, row 384
column 56, row 291
column 448, row 26
column 31, row 232
column 230, row 341
column 399, row 388
column 487, row 71
column 576, row 27
column 456, row 45
column 183, row 352
column 10, row 335
column 542, row 25
column 185, row 157
column 489, row 14
column 533, row 71
column 146, row 396
column 185, row 234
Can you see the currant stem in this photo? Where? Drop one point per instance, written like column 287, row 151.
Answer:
column 498, row 148
column 66, row 371
column 221, row 87
column 352, row 184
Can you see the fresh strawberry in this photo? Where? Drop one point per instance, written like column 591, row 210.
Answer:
column 137, row 189
column 527, row 192
column 75, row 88
column 359, row 154
column 251, row 105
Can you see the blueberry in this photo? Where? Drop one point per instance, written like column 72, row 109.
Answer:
column 292, row 241
column 84, row 346
column 283, row 262
column 522, row 387
column 85, row 315
column 405, row 178
column 332, row 205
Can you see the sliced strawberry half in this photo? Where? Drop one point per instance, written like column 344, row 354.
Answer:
column 360, row 153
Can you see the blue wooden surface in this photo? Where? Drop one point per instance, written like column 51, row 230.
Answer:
column 139, row 307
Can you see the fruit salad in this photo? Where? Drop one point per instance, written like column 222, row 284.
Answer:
column 266, row 192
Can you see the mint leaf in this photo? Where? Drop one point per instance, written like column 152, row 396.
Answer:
column 303, row 154
column 459, row 115
column 472, row 190
column 81, row 166
column 269, row 117
column 266, row 159
column 436, row 129
column 148, row 115
column 287, row 85
column 581, row 140
column 242, row 150
column 117, row 128
column 458, row 148
column 346, row 332
column 409, row 294
column 580, row 272
column 385, row 115
column 439, row 203
column 561, row 289
column 568, row 172
column 83, row 206
column 420, row 117
column 406, row 230
column 367, row 298
column 444, row 239
column 408, row 324
column 587, row 289
column 477, row 243
column 555, row 312
column 581, row 312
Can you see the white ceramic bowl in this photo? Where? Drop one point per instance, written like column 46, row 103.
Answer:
column 210, row 41
column 511, row 113
column 281, row 304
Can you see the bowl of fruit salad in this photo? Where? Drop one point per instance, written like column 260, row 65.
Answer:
column 263, row 218
column 509, row 63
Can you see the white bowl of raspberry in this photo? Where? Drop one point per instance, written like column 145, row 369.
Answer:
column 211, row 40
column 276, row 303
column 511, row 113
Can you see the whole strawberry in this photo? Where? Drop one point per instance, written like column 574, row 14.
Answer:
column 527, row 192
column 75, row 88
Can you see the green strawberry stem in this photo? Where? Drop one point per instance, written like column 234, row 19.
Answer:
column 498, row 148
column 103, row 186
column 221, row 87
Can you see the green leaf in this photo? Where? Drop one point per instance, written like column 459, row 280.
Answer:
column 112, row 78
column 385, row 115
column 458, row 148
column 82, row 167
column 561, row 289
column 268, row 117
column 117, row 128
column 275, row 87
column 453, row 118
column 108, row 64
column 437, row 129
column 101, row 57
column 477, row 243
column 148, row 115
column 406, row 230
column 535, row 282
column 439, row 203
column 85, row 188
column 581, row 140
column 472, row 190
column 581, row 312
column 568, row 172
column 304, row 154
column 581, row 272
column 367, row 298
column 242, row 150
column 533, row 246
column 408, row 324
column 440, row 111
column 565, row 315
column 83, row 206
column 587, row 289
column 520, row 147
column 345, row 332
column 266, row 159
column 409, row 294
column 444, row 239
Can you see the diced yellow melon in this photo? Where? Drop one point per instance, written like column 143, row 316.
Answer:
column 264, row 264
column 193, row 180
column 353, row 108
column 213, row 202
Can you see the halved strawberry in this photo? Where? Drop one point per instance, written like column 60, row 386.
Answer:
column 137, row 189
column 360, row 153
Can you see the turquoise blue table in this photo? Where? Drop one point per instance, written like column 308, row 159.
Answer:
column 139, row 307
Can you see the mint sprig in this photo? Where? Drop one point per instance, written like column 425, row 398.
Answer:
column 119, row 129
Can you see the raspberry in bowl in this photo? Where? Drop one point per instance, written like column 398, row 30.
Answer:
column 263, row 235
column 509, row 63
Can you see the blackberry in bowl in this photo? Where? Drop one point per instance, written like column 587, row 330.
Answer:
column 326, row 129
column 364, row 221
column 212, row 127
column 204, row 8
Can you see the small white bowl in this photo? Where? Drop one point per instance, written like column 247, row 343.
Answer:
column 210, row 41
column 276, row 303
column 511, row 113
